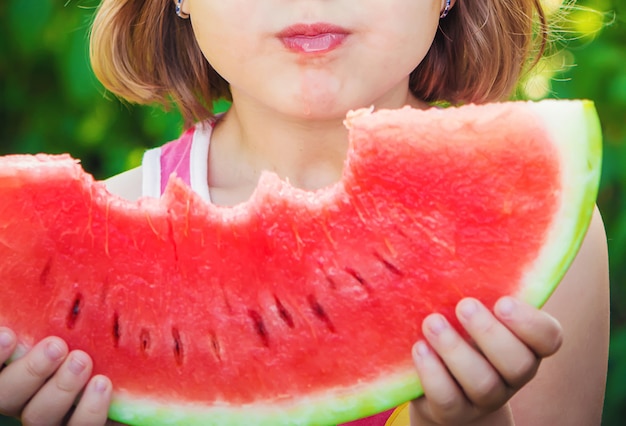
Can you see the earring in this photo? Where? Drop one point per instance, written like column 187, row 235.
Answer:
column 179, row 10
column 445, row 10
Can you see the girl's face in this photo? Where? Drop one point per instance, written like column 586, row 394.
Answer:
column 315, row 58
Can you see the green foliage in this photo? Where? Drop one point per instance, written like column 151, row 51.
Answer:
column 52, row 103
column 600, row 74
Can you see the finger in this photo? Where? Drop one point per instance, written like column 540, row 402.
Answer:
column 50, row 405
column 8, row 342
column 93, row 406
column 443, row 397
column 510, row 357
column 480, row 382
column 21, row 379
column 537, row 329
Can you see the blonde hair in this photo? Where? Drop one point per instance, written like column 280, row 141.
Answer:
column 141, row 51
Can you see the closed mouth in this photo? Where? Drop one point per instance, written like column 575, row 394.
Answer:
column 313, row 38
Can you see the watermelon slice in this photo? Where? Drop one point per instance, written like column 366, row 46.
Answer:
column 298, row 307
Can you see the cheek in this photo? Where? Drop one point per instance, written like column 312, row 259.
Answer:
column 224, row 29
column 406, row 29
column 224, row 51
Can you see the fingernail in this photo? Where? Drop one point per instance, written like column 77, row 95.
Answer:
column 468, row 307
column 421, row 349
column 54, row 351
column 436, row 324
column 506, row 306
column 6, row 339
column 100, row 385
column 77, row 365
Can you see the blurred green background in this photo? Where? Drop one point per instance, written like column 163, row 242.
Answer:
column 50, row 102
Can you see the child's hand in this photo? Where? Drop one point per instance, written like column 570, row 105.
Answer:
column 43, row 386
column 465, row 383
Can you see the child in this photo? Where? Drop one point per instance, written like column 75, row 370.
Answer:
column 292, row 69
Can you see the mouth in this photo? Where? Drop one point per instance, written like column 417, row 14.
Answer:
column 313, row 38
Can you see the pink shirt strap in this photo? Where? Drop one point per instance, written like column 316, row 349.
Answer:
column 186, row 157
column 175, row 158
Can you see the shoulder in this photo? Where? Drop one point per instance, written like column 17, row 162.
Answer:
column 127, row 184
column 587, row 280
column 569, row 387
column 589, row 271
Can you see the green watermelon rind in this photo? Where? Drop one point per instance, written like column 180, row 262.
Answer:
column 325, row 410
column 577, row 134
column 575, row 128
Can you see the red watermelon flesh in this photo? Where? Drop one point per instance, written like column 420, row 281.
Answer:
column 298, row 307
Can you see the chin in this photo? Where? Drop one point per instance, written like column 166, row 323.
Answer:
column 312, row 110
column 323, row 109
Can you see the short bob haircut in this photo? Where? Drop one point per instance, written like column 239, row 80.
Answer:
column 141, row 51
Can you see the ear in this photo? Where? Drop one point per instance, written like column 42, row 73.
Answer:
column 446, row 6
column 182, row 9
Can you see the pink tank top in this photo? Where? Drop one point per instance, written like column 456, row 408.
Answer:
column 187, row 157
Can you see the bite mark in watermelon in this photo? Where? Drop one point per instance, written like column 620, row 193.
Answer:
column 298, row 307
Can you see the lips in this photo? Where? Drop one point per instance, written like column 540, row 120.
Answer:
column 313, row 38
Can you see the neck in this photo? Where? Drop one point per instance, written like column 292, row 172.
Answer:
column 310, row 155
column 308, row 152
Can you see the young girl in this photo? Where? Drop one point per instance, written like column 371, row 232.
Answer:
column 292, row 69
